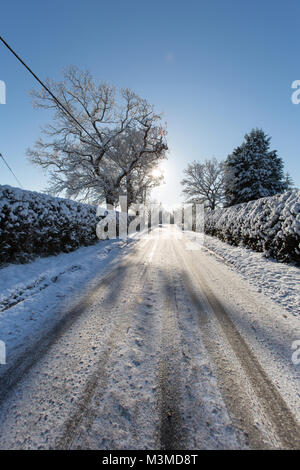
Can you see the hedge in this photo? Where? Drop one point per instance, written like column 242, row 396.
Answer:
column 270, row 225
column 34, row 224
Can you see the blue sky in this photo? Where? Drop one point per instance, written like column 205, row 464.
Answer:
column 215, row 68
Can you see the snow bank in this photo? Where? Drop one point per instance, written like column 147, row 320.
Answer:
column 270, row 225
column 277, row 281
column 32, row 223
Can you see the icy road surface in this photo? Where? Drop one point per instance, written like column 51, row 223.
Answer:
column 165, row 347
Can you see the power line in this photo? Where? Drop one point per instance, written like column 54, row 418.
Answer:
column 11, row 170
column 47, row 89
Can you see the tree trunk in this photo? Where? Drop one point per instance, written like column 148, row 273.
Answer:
column 130, row 192
column 110, row 200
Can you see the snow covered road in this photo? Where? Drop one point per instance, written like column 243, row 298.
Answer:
column 166, row 347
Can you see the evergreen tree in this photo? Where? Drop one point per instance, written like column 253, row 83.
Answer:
column 288, row 181
column 253, row 171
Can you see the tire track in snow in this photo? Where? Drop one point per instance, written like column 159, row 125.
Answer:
column 99, row 379
column 23, row 365
column 169, row 378
column 32, row 356
column 32, row 289
column 274, row 424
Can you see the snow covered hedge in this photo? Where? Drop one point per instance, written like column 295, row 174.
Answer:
column 270, row 225
column 32, row 223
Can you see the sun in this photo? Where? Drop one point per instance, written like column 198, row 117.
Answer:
column 156, row 172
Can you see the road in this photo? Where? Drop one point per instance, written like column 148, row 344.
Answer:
column 170, row 350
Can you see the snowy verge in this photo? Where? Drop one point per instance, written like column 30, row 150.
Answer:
column 278, row 281
column 34, row 297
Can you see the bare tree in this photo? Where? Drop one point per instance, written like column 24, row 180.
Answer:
column 138, row 167
column 124, row 135
column 139, row 184
column 204, row 182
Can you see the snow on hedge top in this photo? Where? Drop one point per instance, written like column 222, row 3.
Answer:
column 270, row 224
column 20, row 198
column 35, row 223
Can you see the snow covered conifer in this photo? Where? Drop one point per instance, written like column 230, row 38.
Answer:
column 288, row 181
column 253, row 171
